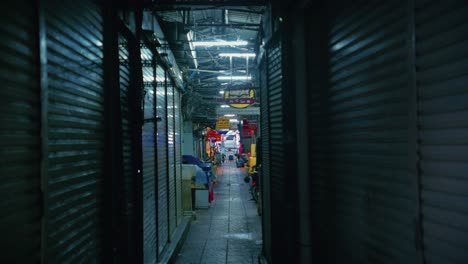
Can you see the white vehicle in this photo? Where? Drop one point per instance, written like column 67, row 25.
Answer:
column 231, row 141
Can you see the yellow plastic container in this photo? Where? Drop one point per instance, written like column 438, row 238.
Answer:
column 252, row 162
column 253, row 150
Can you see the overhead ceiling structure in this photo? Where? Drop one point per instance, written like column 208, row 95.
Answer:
column 211, row 41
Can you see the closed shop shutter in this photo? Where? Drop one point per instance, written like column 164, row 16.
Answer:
column 368, row 134
column 178, row 154
column 265, row 170
column 171, row 153
column 442, row 77
column 163, row 223
column 20, row 115
column 149, row 157
column 276, row 149
column 127, row 150
column 76, row 132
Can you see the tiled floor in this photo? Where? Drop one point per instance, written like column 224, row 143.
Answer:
column 229, row 231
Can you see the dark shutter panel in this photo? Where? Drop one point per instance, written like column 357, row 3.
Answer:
column 149, row 170
column 171, row 153
column 162, row 161
column 76, row 132
column 276, row 148
column 127, row 151
column 20, row 115
column 178, row 154
column 321, row 184
column 368, row 134
column 265, row 171
column 442, row 77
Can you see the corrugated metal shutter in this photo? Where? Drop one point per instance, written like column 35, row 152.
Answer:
column 276, row 145
column 171, row 153
column 76, row 131
column 124, row 79
column 276, row 118
column 442, row 77
column 149, row 165
column 171, row 157
column 178, row 154
column 163, row 223
column 265, row 170
column 20, row 201
column 368, row 134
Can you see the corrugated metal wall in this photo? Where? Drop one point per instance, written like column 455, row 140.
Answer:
column 76, row 132
column 73, row 118
column 265, row 170
column 127, row 148
column 276, row 149
column 20, row 117
column 149, row 164
column 442, row 77
column 163, row 222
column 171, row 157
column 178, row 153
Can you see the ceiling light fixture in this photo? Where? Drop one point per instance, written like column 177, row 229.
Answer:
column 230, row 115
column 225, row 106
column 244, row 55
column 219, row 43
column 227, row 78
column 221, row 92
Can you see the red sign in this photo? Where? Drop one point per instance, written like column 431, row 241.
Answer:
column 247, row 132
column 251, row 124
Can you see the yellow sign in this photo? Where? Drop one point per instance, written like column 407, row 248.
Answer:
column 223, row 123
column 240, row 97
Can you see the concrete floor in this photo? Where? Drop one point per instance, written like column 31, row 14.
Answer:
column 230, row 231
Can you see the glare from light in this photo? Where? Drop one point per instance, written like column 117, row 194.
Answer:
column 243, row 55
column 224, row 83
column 227, row 78
column 225, row 106
column 230, row 115
column 219, row 43
column 221, row 92
column 233, row 120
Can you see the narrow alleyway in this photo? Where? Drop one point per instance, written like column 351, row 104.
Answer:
column 228, row 232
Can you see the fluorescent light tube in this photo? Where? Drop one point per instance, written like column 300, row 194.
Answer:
column 230, row 115
column 248, row 55
column 219, row 43
column 227, row 78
